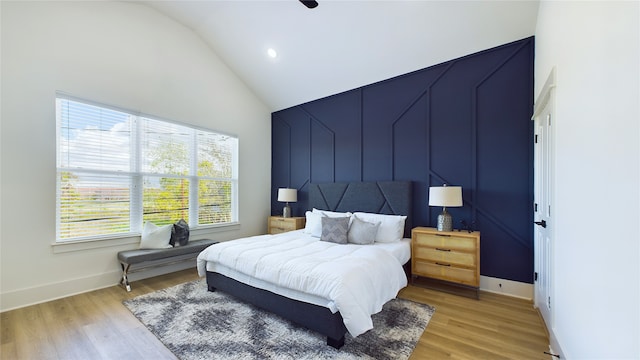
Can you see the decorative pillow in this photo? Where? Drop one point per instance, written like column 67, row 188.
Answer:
column 179, row 233
column 332, row 213
column 313, row 226
column 362, row 232
column 154, row 237
column 391, row 226
column 334, row 229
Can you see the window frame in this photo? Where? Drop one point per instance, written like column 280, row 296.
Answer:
column 135, row 176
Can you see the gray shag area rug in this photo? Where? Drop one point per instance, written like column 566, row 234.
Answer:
column 195, row 323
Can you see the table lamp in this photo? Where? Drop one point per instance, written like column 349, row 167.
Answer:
column 287, row 195
column 445, row 196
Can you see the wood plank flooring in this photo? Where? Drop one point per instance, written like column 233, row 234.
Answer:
column 494, row 327
column 96, row 325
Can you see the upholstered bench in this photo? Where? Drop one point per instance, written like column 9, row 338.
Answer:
column 144, row 259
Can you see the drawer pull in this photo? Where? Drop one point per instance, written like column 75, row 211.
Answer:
column 439, row 249
column 441, row 264
column 443, row 235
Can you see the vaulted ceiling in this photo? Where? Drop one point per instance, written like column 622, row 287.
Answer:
column 342, row 45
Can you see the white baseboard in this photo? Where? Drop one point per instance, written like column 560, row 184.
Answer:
column 555, row 347
column 42, row 293
column 39, row 294
column 507, row 287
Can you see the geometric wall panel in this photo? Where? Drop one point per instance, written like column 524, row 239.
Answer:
column 464, row 122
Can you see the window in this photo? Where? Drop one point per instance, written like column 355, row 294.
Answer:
column 116, row 170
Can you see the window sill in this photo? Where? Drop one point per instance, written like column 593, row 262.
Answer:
column 199, row 233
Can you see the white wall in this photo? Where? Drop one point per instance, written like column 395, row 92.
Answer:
column 117, row 53
column 595, row 49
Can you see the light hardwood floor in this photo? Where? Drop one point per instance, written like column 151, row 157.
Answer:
column 96, row 325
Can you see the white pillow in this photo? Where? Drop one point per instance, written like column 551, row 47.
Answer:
column 313, row 225
column 391, row 227
column 154, row 237
column 332, row 213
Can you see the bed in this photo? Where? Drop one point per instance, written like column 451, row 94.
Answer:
column 311, row 309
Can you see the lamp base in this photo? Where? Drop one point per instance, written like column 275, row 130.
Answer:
column 286, row 212
column 445, row 221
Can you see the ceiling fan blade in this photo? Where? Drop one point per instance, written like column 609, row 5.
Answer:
column 309, row 3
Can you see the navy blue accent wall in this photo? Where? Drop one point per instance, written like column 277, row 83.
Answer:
column 464, row 122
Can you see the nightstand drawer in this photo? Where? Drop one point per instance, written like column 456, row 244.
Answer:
column 446, row 241
column 445, row 255
column 447, row 272
column 277, row 229
column 277, row 224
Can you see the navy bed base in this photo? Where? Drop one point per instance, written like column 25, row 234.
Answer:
column 313, row 317
column 385, row 197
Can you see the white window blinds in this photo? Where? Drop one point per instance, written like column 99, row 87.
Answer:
column 117, row 170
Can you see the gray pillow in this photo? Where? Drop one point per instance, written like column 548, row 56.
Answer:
column 362, row 232
column 335, row 229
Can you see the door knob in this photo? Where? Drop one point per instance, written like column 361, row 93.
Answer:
column 541, row 223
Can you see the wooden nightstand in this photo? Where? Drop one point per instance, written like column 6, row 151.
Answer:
column 278, row 224
column 453, row 257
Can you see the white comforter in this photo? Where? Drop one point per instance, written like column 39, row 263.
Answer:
column 359, row 279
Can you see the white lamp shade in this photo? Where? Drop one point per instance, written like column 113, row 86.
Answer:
column 445, row 196
column 287, row 195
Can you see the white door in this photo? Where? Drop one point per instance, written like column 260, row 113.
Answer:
column 542, row 208
column 543, row 228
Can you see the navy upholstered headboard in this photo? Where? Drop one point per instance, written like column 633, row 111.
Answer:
column 381, row 197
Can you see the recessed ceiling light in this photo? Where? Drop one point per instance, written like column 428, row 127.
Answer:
column 272, row 53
